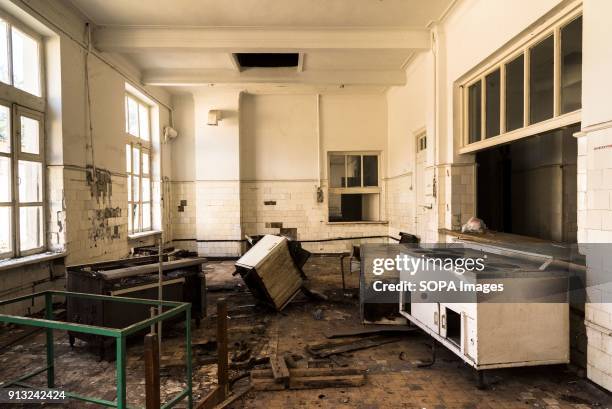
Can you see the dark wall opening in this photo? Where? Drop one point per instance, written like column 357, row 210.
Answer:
column 528, row 187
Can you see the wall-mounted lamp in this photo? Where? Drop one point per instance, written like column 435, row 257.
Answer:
column 214, row 116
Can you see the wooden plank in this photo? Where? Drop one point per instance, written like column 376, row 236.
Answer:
column 222, row 364
column 373, row 330
column 325, row 350
column 151, row 358
column 212, row 399
column 279, row 369
column 304, row 372
column 233, row 398
column 319, row 382
column 266, row 384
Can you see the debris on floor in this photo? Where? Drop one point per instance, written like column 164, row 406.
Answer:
column 353, row 365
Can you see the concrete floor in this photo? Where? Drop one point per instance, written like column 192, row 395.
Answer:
column 394, row 380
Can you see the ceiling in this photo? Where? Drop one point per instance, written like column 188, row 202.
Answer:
column 191, row 42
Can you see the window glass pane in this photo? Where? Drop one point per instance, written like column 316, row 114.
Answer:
column 130, row 217
column 515, row 89
column 6, row 233
column 30, row 181
column 493, row 84
column 128, row 158
column 474, row 112
column 136, row 216
column 136, row 161
column 30, row 135
column 132, row 114
column 145, row 163
column 146, row 189
column 4, row 66
column 144, row 121
column 26, row 65
column 541, row 79
column 5, row 129
column 370, row 170
column 353, row 171
column 136, row 186
column 129, row 188
column 146, row 216
column 30, row 227
column 5, row 180
column 571, row 66
column 336, row 171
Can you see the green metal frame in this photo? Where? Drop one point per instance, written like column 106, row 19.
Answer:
column 120, row 335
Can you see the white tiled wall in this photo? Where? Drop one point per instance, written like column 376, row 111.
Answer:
column 595, row 226
column 400, row 204
column 90, row 235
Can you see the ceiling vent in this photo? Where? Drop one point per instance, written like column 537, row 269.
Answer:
column 267, row 60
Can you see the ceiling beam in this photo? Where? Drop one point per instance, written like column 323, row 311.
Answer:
column 191, row 77
column 138, row 39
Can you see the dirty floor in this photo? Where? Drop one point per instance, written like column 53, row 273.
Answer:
column 394, row 379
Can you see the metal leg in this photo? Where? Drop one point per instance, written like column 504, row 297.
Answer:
column 121, row 387
column 188, row 356
column 433, row 356
column 50, row 353
column 342, row 271
column 71, row 340
column 482, row 383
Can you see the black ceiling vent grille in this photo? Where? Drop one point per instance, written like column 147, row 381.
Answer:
column 267, row 60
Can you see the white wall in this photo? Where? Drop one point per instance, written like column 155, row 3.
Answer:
column 279, row 137
column 410, row 110
column 595, row 186
column 354, row 122
column 266, row 149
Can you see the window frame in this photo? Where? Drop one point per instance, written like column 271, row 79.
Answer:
column 26, row 98
column 144, row 146
column 523, row 47
column 355, row 189
column 16, row 112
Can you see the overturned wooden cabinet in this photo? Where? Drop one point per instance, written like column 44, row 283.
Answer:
column 270, row 272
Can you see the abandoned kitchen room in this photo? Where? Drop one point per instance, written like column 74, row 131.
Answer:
column 306, row 204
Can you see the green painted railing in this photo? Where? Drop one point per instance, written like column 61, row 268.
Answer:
column 119, row 334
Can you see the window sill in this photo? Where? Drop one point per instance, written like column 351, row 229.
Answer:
column 143, row 235
column 361, row 222
column 12, row 263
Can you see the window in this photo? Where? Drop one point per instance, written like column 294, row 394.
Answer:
column 20, row 64
column 22, row 160
column 492, row 82
column 22, row 206
column 541, row 79
column 138, row 164
column 475, row 110
column 571, row 66
column 354, row 191
column 533, row 88
column 515, row 78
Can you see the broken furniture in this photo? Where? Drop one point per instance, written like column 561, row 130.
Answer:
column 270, row 271
column 182, row 282
column 173, row 310
column 498, row 329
